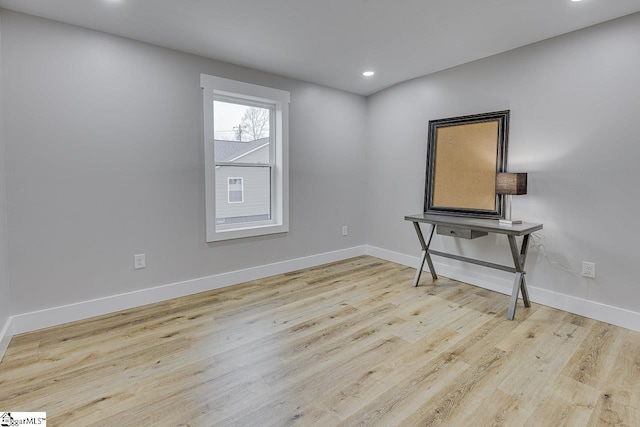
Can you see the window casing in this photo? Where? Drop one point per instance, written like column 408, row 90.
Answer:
column 246, row 194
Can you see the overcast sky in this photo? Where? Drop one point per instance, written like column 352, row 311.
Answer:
column 226, row 116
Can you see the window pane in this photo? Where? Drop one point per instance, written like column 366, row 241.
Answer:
column 241, row 132
column 236, row 189
column 243, row 194
column 235, row 196
column 235, row 184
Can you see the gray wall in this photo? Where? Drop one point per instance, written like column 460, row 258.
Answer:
column 575, row 109
column 104, row 160
column 4, row 274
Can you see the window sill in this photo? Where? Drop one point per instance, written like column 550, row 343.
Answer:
column 246, row 231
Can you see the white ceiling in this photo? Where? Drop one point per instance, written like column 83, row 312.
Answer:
column 330, row 42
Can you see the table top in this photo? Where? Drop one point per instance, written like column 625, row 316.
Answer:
column 479, row 224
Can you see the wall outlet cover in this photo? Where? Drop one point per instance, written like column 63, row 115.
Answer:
column 139, row 261
column 589, row 269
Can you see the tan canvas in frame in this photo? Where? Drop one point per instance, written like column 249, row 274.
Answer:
column 465, row 153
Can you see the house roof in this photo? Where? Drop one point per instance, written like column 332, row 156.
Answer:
column 227, row 151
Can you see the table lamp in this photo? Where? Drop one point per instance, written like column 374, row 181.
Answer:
column 510, row 184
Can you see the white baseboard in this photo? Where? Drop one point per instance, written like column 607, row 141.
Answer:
column 487, row 281
column 594, row 310
column 27, row 322
column 6, row 333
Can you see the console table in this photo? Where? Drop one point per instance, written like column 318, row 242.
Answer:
column 471, row 228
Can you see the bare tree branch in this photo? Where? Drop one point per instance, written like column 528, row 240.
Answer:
column 254, row 124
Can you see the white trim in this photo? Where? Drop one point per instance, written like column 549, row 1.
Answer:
column 212, row 87
column 594, row 310
column 6, row 333
column 228, row 87
column 27, row 322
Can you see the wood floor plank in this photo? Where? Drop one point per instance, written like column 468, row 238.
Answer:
column 589, row 363
column 622, row 390
column 342, row 344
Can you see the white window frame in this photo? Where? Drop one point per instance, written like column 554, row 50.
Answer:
column 279, row 223
column 241, row 179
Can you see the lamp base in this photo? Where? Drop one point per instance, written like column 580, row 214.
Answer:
column 509, row 221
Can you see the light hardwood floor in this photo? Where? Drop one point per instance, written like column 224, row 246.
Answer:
column 349, row 343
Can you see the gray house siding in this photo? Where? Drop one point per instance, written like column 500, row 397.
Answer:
column 261, row 155
column 256, row 204
column 256, row 182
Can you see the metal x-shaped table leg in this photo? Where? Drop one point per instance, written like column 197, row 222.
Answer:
column 519, row 283
column 425, row 253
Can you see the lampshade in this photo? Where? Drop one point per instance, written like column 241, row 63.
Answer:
column 511, row 183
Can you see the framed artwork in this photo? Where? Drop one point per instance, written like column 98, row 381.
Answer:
column 464, row 155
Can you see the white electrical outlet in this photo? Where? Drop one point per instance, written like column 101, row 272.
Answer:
column 345, row 230
column 139, row 261
column 589, row 269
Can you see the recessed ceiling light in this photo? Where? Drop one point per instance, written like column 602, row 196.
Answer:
column 576, row 0
column 368, row 73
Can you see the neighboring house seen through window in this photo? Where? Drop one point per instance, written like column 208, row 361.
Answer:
column 246, row 176
column 235, row 190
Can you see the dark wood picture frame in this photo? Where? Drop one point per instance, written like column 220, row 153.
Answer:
column 464, row 155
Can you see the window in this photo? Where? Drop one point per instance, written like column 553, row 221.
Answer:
column 246, row 159
column 235, row 190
